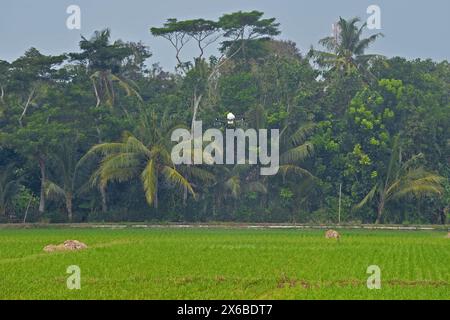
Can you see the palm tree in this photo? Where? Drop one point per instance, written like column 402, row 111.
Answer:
column 9, row 187
column 104, row 62
column 233, row 182
column 66, row 185
column 347, row 50
column 145, row 156
column 402, row 179
column 295, row 148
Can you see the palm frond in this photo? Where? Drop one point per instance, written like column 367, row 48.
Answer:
column 293, row 169
column 161, row 153
column 365, row 43
column 256, row 186
column 117, row 167
column 197, row 173
column 133, row 144
column 105, row 149
column 301, row 133
column 173, row 176
column 149, row 179
column 367, row 198
column 52, row 190
column 126, row 86
column 418, row 190
column 394, row 160
column 298, row 153
column 425, row 183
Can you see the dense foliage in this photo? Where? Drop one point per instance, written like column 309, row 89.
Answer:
column 86, row 136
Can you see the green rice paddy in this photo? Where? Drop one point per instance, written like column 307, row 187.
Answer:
column 220, row 263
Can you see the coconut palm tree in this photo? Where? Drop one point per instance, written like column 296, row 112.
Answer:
column 294, row 144
column 403, row 178
column 232, row 182
column 104, row 61
column 346, row 51
column 145, row 156
column 295, row 148
column 66, row 185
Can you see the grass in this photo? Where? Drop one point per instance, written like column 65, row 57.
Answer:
column 224, row 264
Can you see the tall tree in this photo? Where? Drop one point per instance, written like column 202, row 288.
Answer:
column 346, row 50
column 236, row 29
column 104, row 61
column 32, row 81
column 32, row 75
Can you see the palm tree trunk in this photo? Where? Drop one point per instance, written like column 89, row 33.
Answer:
column 185, row 195
column 26, row 211
column 380, row 211
column 155, row 202
column 205, row 205
column 111, row 90
column 214, row 210
column 102, row 190
column 97, row 96
column 444, row 214
column 43, row 179
column 69, row 206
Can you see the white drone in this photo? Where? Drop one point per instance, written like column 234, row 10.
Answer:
column 231, row 120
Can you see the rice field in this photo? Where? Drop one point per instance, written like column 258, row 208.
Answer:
column 219, row 263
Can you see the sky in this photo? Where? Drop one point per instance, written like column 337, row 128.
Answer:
column 412, row 28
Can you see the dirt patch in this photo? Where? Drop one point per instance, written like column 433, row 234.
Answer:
column 332, row 234
column 417, row 283
column 68, row 245
column 220, row 279
column 285, row 282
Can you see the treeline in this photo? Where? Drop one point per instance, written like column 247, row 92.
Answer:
column 86, row 136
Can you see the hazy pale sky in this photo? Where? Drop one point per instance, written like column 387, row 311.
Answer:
column 412, row 28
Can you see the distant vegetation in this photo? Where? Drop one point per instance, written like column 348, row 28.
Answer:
column 86, row 136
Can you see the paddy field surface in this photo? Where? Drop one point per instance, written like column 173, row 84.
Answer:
column 224, row 263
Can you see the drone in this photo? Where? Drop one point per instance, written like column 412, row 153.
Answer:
column 231, row 121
